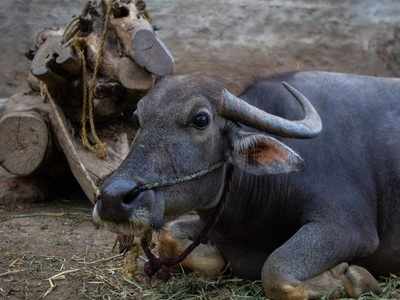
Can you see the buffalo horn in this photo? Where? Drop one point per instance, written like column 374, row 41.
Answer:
column 234, row 108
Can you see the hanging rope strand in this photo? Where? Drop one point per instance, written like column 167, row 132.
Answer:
column 101, row 148
column 89, row 85
column 84, row 115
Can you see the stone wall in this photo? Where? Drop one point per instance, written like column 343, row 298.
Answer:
column 235, row 36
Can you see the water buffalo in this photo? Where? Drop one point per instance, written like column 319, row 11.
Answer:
column 307, row 211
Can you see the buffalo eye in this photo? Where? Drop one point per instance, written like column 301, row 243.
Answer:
column 201, row 120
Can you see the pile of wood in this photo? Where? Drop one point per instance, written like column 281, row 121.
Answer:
column 85, row 82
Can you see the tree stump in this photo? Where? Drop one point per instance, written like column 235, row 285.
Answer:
column 24, row 142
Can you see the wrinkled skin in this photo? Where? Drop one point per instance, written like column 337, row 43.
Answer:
column 296, row 231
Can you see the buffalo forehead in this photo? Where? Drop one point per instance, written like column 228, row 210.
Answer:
column 172, row 93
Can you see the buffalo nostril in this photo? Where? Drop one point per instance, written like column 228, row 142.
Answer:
column 116, row 194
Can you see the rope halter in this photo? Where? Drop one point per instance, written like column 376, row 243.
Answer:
column 162, row 266
column 177, row 180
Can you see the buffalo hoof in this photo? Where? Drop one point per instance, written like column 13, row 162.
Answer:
column 338, row 282
column 357, row 280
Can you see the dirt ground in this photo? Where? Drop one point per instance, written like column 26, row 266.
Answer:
column 56, row 240
column 44, row 239
column 52, row 250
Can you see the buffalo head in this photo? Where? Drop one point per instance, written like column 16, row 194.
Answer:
column 190, row 128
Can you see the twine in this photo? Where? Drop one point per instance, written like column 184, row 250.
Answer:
column 89, row 85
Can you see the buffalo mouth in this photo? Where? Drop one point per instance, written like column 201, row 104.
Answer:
column 142, row 214
column 134, row 226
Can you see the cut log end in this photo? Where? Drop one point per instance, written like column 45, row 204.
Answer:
column 24, row 141
column 151, row 53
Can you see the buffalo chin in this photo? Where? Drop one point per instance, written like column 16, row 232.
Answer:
column 135, row 226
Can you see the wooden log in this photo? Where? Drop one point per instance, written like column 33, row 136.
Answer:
column 54, row 63
column 68, row 61
column 27, row 101
column 132, row 54
column 33, row 83
column 111, row 100
column 151, row 53
column 41, row 66
column 125, row 25
column 114, row 67
column 140, row 42
column 64, row 138
column 105, row 109
column 89, row 170
column 109, row 65
column 42, row 36
column 24, row 142
column 24, row 134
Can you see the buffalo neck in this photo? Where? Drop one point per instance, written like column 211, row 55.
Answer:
column 257, row 205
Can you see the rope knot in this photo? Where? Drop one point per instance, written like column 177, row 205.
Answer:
column 156, row 266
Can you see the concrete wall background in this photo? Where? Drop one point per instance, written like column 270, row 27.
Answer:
column 230, row 36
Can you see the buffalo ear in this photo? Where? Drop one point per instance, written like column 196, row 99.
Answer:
column 261, row 154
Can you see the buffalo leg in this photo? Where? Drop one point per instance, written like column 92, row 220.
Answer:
column 178, row 235
column 310, row 264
